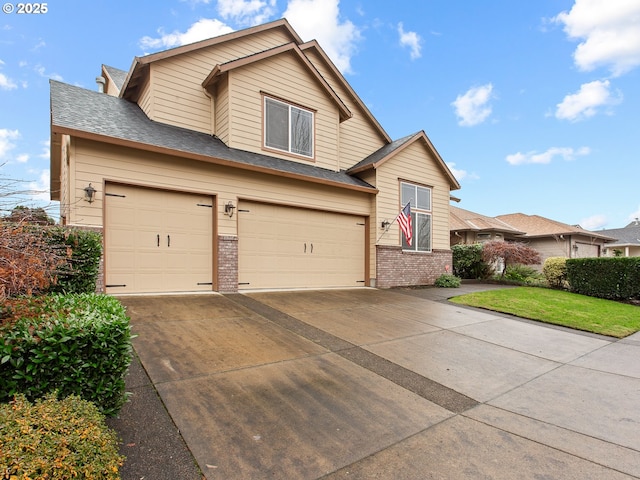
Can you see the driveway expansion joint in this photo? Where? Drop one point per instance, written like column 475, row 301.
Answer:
column 424, row 387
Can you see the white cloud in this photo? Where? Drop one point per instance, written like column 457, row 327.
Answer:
column 6, row 136
column 473, row 106
column 247, row 12
column 201, row 30
column 411, row 40
column 609, row 33
column 320, row 20
column 566, row 153
column 46, row 150
column 40, row 70
column 587, row 101
column 459, row 173
column 22, row 158
column 594, row 222
column 635, row 215
column 6, row 83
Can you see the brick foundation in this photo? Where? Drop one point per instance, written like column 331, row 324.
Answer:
column 227, row 264
column 395, row 268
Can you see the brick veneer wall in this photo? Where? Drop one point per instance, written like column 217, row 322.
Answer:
column 227, row 264
column 395, row 268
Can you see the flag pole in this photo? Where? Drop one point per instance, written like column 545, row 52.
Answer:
column 389, row 226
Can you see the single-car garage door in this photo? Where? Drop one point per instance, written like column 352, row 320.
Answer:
column 286, row 247
column 157, row 241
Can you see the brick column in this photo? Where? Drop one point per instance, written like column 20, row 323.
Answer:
column 227, row 264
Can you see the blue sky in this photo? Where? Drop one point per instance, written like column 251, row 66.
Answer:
column 534, row 104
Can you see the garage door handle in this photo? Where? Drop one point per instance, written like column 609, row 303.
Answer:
column 168, row 240
column 305, row 248
column 312, row 248
column 158, row 239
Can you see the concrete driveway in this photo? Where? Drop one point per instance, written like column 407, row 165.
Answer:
column 389, row 384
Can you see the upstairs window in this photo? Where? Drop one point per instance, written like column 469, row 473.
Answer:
column 288, row 128
column 420, row 198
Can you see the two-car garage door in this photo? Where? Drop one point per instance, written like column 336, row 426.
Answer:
column 162, row 241
column 286, row 247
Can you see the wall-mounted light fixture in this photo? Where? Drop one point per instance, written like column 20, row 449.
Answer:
column 229, row 207
column 385, row 224
column 575, row 249
column 89, row 193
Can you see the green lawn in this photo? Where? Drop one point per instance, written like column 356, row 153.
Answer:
column 595, row 315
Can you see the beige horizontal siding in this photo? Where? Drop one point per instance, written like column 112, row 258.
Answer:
column 176, row 82
column 413, row 164
column 97, row 163
column 283, row 77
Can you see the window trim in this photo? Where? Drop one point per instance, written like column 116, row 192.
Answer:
column 415, row 212
column 290, row 106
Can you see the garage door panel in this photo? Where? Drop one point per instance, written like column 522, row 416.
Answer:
column 285, row 247
column 157, row 241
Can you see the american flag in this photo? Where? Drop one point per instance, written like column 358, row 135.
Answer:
column 404, row 220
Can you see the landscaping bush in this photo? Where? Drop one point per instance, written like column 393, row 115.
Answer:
column 509, row 253
column 75, row 344
column 448, row 281
column 523, row 274
column 554, row 270
column 468, row 263
column 81, row 251
column 56, row 439
column 27, row 262
column 616, row 278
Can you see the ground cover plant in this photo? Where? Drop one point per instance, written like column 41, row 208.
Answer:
column 558, row 307
column 56, row 439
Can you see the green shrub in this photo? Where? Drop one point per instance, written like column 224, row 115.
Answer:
column 554, row 270
column 56, row 439
column 82, row 250
column 522, row 274
column 616, row 278
column 75, row 344
column 468, row 263
column 448, row 281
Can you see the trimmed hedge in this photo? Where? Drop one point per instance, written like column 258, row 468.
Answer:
column 56, row 439
column 75, row 344
column 616, row 278
column 82, row 250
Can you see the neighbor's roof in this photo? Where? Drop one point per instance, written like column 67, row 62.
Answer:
column 627, row 236
column 380, row 156
column 537, row 226
column 118, row 76
column 466, row 220
column 97, row 116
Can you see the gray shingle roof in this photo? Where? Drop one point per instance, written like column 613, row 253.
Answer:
column 629, row 235
column 381, row 153
column 80, row 110
column 118, row 76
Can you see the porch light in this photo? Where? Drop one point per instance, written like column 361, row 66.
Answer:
column 385, row 224
column 229, row 207
column 89, row 193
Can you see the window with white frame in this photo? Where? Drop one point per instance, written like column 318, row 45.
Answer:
column 288, row 128
column 420, row 198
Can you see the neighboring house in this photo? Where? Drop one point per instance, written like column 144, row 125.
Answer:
column 469, row 227
column 549, row 237
column 241, row 162
column 627, row 241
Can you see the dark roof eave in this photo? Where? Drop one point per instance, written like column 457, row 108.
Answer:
column 208, row 159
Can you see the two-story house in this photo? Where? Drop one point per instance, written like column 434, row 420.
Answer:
column 244, row 161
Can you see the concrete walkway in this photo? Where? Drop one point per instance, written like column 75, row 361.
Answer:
column 365, row 383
